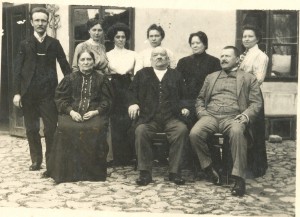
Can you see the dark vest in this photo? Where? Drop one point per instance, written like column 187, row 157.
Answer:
column 40, row 85
column 163, row 111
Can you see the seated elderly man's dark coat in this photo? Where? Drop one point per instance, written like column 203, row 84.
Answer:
column 145, row 92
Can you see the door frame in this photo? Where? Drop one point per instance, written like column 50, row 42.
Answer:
column 16, row 16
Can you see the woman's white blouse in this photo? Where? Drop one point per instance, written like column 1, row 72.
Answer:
column 121, row 61
column 256, row 62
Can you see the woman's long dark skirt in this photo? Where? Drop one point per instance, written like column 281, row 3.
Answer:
column 257, row 154
column 79, row 150
column 123, row 150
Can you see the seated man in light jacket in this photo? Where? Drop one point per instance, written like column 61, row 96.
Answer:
column 228, row 102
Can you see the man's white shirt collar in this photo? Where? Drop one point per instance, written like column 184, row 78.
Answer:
column 39, row 38
column 160, row 73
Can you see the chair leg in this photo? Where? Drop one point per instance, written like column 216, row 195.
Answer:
column 227, row 161
column 135, row 164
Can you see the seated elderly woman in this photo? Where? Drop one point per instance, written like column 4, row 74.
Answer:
column 79, row 149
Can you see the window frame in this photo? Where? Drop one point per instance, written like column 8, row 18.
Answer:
column 267, row 40
column 101, row 9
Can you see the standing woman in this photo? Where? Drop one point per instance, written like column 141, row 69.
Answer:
column 155, row 35
column 83, row 101
column 194, row 69
column 121, row 65
column 95, row 44
column 254, row 61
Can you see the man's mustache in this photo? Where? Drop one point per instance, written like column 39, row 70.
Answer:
column 224, row 61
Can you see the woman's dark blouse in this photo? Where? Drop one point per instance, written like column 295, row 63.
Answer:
column 83, row 93
column 194, row 69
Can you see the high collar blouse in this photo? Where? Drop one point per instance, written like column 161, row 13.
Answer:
column 121, row 61
column 256, row 63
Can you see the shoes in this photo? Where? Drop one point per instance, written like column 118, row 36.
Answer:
column 45, row 175
column 57, row 182
column 144, row 179
column 34, row 167
column 239, row 187
column 213, row 175
column 176, row 178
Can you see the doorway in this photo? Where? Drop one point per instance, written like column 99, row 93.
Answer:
column 16, row 28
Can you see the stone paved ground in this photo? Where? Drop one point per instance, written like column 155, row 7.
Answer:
column 271, row 195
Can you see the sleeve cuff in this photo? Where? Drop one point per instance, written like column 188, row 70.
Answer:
column 100, row 111
column 248, row 120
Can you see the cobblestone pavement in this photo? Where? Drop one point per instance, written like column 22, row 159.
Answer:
column 271, row 195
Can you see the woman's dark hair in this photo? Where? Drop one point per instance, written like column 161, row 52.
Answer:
column 86, row 51
column 255, row 29
column 158, row 28
column 93, row 22
column 39, row 9
column 202, row 36
column 114, row 29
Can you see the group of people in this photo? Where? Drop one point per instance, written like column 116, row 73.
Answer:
column 149, row 92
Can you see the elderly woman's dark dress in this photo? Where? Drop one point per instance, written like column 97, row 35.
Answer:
column 80, row 148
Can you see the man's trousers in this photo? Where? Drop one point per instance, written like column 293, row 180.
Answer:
column 177, row 135
column 33, row 110
column 208, row 125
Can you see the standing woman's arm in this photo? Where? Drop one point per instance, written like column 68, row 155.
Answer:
column 260, row 67
column 75, row 63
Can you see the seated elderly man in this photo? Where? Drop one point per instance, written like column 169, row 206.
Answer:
column 156, row 98
column 228, row 102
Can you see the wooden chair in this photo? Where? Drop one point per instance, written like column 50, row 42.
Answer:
column 222, row 154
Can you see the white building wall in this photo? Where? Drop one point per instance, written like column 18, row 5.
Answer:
column 220, row 27
column 62, row 33
column 280, row 98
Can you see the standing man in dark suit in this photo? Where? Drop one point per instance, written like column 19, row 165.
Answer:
column 35, row 83
column 228, row 102
column 156, row 98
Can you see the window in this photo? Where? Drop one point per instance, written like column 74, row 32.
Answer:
column 109, row 15
column 280, row 40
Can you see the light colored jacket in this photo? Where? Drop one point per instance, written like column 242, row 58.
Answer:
column 249, row 95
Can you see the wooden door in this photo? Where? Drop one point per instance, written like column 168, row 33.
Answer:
column 18, row 28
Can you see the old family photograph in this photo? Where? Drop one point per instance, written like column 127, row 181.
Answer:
column 131, row 109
